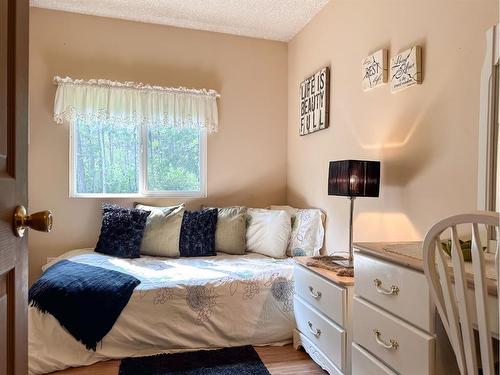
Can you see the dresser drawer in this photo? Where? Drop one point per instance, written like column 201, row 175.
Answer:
column 409, row 297
column 363, row 363
column 321, row 294
column 414, row 350
column 323, row 333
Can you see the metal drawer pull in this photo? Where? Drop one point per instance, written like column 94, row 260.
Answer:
column 393, row 344
column 390, row 292
column 316, row 332
column 316, row 295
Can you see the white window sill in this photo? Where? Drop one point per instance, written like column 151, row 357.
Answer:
column 196, row 194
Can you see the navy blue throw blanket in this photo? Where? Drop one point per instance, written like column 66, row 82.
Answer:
column 86, row 300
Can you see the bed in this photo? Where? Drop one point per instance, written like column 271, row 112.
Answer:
column 181, row 304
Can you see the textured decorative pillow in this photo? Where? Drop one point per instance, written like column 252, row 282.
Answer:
column 268, row 232
column 198, row 233
column 307, row 234
column 121, row 231
column 230, row 235
column 163, row 229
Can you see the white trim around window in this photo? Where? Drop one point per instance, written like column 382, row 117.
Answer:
column 488, row 122
column 488, row 196
column 143, row 192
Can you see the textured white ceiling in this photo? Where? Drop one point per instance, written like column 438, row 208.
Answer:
column 268, row 19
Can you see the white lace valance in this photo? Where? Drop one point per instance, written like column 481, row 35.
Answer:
column 134, row 104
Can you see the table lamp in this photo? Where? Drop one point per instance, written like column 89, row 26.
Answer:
column 353, row 178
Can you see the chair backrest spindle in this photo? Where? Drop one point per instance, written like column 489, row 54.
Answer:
column 449, row 290
column 481, row 293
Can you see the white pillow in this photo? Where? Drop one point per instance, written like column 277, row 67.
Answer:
column 268, row 232
column 307, row 234
column 292, row 211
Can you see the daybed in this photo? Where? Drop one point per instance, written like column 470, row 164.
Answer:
column 181, row 304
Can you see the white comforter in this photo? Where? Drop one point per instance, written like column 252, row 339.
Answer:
column 181, row 304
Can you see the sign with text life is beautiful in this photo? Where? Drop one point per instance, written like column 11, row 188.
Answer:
column 315, row 102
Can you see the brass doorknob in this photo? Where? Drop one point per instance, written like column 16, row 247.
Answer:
column 41, row 221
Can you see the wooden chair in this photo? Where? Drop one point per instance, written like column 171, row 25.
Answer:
column 448, row 287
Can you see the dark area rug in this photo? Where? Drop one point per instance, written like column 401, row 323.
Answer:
column 242, row 360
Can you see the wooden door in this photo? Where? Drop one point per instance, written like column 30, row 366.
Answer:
column 13, row 184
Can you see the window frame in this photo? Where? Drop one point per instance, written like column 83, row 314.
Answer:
column 142, row 172
column 488, row 123
column 488, row 145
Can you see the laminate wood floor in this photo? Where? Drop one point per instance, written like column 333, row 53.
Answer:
column 279, row 360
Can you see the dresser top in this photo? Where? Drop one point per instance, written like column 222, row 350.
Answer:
column 328, row 274
column 407, row 254
column 410, row 255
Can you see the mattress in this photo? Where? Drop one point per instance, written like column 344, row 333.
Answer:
column 181, row 304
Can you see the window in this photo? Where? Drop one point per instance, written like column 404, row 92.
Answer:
column 494, row 155
column 126, row 160
column 488, row 156
column 132, row 139
column 489, row 116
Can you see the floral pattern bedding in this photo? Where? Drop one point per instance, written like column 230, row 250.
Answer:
column 181, row 304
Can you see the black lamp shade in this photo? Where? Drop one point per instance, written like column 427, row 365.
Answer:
column 354, row 178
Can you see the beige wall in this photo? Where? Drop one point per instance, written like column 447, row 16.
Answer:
column 246, row 159
column 426, row 137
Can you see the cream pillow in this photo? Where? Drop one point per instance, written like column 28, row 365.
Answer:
column 230, row 235
column 268, row 232
column 307, row 234
column 162, row 232
column 292, row 211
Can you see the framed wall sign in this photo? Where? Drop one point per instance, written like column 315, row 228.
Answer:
column 315, row 102
column 374, row 70
column 406, row 69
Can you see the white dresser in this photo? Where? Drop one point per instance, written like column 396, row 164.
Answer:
column 322, row 305
column 395, row 327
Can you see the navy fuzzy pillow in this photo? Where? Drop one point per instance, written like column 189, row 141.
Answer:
column 121, row 231
column 198, row 233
